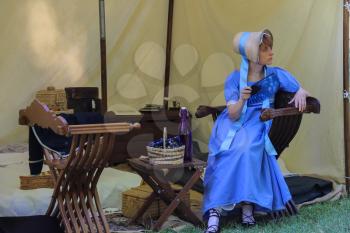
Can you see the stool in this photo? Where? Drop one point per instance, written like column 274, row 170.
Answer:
column 154, row 176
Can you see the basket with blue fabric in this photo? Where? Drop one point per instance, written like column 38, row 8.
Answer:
column 171, row 153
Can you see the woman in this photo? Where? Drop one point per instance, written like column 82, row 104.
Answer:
column 242, row 169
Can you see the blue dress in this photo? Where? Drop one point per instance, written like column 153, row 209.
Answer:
column 245, row 171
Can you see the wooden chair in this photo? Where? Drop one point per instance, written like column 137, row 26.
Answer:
column 285, row 124
column 75, row 201
column 286, row 118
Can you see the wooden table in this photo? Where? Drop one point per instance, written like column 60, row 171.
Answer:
column 154, row 176
column 133, row 144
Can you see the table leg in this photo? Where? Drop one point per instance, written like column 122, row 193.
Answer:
column 176, row 202
column 162, row 188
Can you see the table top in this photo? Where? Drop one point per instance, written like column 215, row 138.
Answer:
column 143, row 163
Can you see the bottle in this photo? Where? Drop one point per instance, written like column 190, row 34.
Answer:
column 185, row 133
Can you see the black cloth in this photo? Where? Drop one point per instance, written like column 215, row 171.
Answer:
column 35, row 154
column 54, row 141
column 305, row 188
column 30, row 224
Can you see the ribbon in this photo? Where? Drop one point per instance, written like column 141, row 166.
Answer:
column 242, row 84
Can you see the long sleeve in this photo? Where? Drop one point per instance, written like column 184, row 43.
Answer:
column 231, row 88
column 287, row 81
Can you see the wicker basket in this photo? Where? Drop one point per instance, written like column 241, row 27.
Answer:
column 134, row 198
column 44, row 180
column 55, row 99
column 165, row 156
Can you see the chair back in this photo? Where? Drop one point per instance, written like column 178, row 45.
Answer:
column 286, row 120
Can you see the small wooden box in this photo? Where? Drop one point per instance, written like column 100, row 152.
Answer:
column 134, row 198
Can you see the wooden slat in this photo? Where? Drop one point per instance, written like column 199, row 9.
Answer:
column 85, row 211
column 100, row 211
column 71, row 215
column 86, row 151
column 38, row 113
column 100, row 128
column 78, row 211
column 61, row 176
column 64, row 216
column 146, row 165
column 312, row 106
column 94, row 212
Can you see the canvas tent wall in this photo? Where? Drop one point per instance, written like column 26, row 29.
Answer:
column 48, row 42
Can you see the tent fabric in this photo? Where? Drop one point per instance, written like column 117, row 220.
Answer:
column 48, row 42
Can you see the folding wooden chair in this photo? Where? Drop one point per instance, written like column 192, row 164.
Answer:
column 75, row 201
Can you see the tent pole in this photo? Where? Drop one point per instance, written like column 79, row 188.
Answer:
column 103, row 56
column 168, row 54
column 346, row 90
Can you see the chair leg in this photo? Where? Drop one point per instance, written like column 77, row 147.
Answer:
column 100, row 211
column 94, row 211
column 65, row 218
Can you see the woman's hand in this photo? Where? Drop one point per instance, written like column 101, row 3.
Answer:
column 245, row 93
column 235, row 110
column 299, row 99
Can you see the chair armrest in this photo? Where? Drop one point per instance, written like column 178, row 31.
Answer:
column 312, row 106
column 203, row 111
column 39, row 114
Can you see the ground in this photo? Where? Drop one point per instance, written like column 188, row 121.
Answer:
column 326, row 217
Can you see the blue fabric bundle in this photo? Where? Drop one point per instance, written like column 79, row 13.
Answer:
column 265, row 89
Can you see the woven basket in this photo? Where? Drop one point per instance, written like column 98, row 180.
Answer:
column 55, row 99
column 44, row 180
column 165, row 156
column 134, row 198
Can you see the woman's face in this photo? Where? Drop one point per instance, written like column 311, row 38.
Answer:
column 265, row 51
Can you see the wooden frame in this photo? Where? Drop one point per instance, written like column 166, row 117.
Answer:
column 75, row 200
column 153, row 176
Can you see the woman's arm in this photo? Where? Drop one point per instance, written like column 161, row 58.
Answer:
column 290, row 84
column 235, row 110
column 299, row 99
